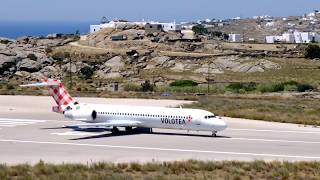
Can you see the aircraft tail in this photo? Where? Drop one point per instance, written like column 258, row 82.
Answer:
column 58, row 92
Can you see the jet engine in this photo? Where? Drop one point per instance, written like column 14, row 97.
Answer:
column 81, row 113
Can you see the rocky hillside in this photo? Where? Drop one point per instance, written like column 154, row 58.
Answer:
column 27, row 57
column 135, row 60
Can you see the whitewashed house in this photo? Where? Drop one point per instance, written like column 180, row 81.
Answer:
column 235, row 38
column 114, row 24
column 295, row 37
column 171, row 27
column 288, row 37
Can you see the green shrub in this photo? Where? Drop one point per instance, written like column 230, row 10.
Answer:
column 4, row 41
column 200, row 29
column 32, row 57
column 305, row 87
column 147, row 86
column 290, row 88
column 312, row 51
column 87, row 72
column 183, row 83
column 242, row 87
column 10, row 86
column 293, row 83
column 271, row 87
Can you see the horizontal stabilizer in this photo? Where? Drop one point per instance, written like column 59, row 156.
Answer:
column 42, row 84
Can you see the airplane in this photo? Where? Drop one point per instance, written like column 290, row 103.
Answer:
column 129, row 117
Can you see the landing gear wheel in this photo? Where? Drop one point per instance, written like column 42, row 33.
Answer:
column 115, row 130
column 214, row 134
column 151, row 131
column 129, row 129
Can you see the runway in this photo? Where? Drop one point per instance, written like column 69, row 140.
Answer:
column 30, row 132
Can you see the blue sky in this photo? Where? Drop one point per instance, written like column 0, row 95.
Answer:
column 161, row 10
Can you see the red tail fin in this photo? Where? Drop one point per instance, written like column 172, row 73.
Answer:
column 58, row 92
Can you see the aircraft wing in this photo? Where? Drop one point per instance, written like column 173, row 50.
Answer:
column 116, row 123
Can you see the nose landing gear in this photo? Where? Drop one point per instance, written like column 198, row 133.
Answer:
column 214, row 133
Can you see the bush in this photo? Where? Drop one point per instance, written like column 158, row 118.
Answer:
column 87, row 72
column 147, row 86
column 183, row 83
column 200, row 29
column 312, row 51
column 271, row 87
column 4, row 41
column 10, row 86
column 32, row 57
column 305, row 87
column 242, row 87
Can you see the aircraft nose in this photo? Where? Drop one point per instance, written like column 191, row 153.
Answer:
column 220, row 124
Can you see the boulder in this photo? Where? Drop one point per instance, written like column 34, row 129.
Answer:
column 48, row 70
column 269, row 65
column 179, row 67
column 6, row 62
column 8, row 52
column 212, row 69
column 23, row 40
column 247, row 67
column 160, row 60
column 116, row 63
column 48, row 42
column 149, row 66
column 112, row 75
column 37, row 76
column 227, row 63
column 29, row 65
column 66, row 68
column 22, row 74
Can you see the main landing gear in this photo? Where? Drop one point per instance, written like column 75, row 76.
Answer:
column 128, row 129
column 214, row 133
column 115, row 130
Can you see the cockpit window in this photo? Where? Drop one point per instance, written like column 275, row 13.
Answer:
column 68, row 108
column 210, row 117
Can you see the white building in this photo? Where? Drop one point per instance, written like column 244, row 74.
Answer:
column 171, row 27
column 295, row 37
column 234, row 37
column 114, row 24
column 288, row 37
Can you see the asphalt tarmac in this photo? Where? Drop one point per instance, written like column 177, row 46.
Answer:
column 30, row 132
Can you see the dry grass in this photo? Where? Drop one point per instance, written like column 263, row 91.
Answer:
column 166, row 170
column 300, row 70
column 258, row 47
column 267, row 108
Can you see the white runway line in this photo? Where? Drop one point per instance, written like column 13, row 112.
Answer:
column 166, row 149
column 272, row 140
column 5, row 122
column 75, row 133
column 278, row 131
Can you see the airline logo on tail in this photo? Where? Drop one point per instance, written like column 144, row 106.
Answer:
column 58, row 92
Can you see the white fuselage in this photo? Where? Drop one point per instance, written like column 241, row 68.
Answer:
column 149, row 117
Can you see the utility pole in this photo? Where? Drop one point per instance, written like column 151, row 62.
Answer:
column 208, row 78
column 70, row 63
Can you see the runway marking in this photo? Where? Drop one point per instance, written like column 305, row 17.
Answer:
column 279, row 131
column 6, row 122
column 163, row 149
column 74, row 133
column 273, row 140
